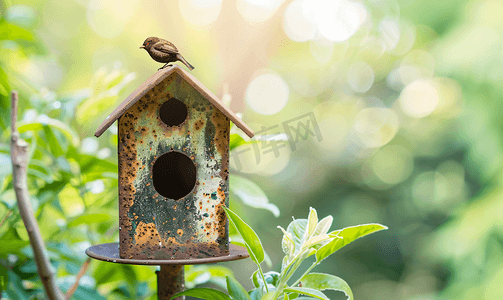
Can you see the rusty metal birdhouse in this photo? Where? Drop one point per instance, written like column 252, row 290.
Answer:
column 173, row 151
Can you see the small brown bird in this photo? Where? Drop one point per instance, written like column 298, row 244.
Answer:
column 163, row 51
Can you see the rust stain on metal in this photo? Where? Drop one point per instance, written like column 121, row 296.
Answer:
column 170, row 281
column 151, row 225
column 198, row 124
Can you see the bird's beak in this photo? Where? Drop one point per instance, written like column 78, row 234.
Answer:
column 142, row 47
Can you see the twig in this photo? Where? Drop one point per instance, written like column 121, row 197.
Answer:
column 19, row 157
column 75, row 285
column 6, row 217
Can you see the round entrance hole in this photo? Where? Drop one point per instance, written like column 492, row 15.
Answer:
column 173, row 112
column 174, row 175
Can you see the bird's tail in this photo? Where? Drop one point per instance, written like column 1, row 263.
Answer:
column 180, row 58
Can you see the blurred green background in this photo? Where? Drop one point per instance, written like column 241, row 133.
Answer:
column 404, row 94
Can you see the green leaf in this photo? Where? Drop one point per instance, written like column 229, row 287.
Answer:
column 89, row 219
column 83, row 293
column 54, row 143
column 346, row 236
column 323, row 226
column 3, row 91
column 13, row 32
column 252, row 241
column 271, row 279
column 54, row 124
column 4, row 279
column 15, row 288
column 307, row 291
column 235, row 141
column 321, row 282
column 287, row 243
column 236, row 290
column 312, row 222
column 236, row 239
column 11, row 246
column 317, row 240
column 94, row 107
column 251, row 194
column 297, row 228
column 196, row 276
column 113, row 79
column 256, row 294
column 255, row 279
column 204, row 293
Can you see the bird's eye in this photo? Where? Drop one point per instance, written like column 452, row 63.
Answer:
column 148, row 43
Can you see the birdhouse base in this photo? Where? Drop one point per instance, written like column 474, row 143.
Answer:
column 110, row 252
column 170, row 278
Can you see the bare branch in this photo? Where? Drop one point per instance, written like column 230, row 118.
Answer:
column 75, row 285
column 19, row 158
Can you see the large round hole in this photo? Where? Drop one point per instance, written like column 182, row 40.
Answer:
column 173, row 112
column 174, row 175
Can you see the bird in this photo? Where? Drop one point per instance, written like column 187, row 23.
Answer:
column 164, row 52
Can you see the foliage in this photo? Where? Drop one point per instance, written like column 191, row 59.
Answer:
column 302, row 238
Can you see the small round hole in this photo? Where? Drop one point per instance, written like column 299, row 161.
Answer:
column 174, row 175
column 173, row 112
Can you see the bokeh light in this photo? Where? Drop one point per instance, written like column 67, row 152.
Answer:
column 321, row 50
column 254, row 160
column 418, row 64
column 22, row 15
column 360, row 76
column 200, row 13
column 406, row 40
column 376, row 126
column 390, row 33
column 335, row 20
column 267, row 94
column 339, row 20
column 419, row 99
column 108, row 18
column 62, row 18
column 258, row 11
column 299, row 23
column 392, row 164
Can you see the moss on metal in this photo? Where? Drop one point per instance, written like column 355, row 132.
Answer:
column 155, row 227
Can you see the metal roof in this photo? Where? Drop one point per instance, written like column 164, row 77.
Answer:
column 155, row 80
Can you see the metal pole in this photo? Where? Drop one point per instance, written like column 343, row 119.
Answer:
column 170, row 280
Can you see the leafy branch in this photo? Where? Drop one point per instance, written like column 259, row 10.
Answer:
column 302, row 239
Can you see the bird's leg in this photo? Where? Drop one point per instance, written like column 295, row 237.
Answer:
column 164, row 66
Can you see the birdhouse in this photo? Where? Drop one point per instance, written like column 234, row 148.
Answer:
column 173, row 152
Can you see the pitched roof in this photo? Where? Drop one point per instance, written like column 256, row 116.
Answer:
column 156, row 79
